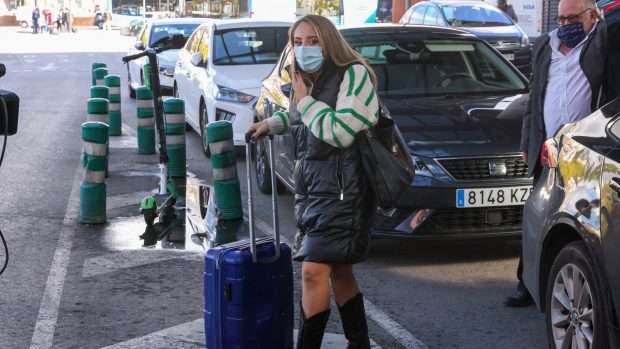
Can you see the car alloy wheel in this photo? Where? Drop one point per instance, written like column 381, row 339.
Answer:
column 263, row 170
column 204, row 120
column 575, row 312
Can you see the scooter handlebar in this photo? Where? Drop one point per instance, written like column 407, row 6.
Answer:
column 136, row 56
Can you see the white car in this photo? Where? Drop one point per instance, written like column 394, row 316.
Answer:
column 155, row 34
column 220, row 70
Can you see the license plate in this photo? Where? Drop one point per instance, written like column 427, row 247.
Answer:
column 490, row 197
column 509, row 56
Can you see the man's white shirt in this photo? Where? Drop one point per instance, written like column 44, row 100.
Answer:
column 568, row 94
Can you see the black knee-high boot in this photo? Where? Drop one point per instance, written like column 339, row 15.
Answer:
column 311, row 329
column 354, row 323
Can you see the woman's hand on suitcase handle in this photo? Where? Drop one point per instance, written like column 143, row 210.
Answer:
column 257, row 131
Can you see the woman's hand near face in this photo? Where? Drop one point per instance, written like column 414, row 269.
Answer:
column 299, row 87
column 258, row 129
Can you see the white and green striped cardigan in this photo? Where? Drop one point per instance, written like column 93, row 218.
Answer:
column 357, row 108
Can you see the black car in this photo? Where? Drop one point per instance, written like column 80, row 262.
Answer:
column 571, row 223
column 459, row 105
column 481, row 19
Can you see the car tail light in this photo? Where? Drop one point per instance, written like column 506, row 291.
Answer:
column 611, row 6
column 549, row 154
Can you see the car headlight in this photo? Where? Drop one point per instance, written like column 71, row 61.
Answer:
column 420, row 168
column 228, row 94
column 166, row 70
column 525, row 41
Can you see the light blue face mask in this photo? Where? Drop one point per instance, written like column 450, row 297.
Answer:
column 309, row 58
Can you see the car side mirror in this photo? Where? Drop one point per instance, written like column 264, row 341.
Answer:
column 286, row 89
column 139, row 45
column 196, row 58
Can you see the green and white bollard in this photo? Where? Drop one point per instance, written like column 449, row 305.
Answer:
column 99, row 92
column 92, row 72
column 224, row 163
column 93, row 188
column 174, row 109
column 146, row 121
column 97, row 111
column 113, row 82
column 147, row 75
column 100, row 74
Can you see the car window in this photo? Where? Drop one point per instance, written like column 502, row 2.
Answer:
column 161, row 35
column 405, row 17
column 203, row 47
column 259, row 45
column 417, row 67
column 418, row 15
column 143, row 35
column 432, row 16
column 475, row 16
column 192, row 42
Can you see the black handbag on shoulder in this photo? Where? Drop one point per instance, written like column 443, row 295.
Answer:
column 386, row 159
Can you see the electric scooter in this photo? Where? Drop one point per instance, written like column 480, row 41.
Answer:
column 169, row 215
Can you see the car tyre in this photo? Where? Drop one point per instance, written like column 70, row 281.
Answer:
column 203, row 121
column 132, row 91
column 263, row 170
column 575, row 303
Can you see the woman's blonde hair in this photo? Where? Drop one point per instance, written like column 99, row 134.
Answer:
column 334, row 45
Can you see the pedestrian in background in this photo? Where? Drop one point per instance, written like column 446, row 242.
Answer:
column 504, row 6
column 65, row 19
column 107, row 17
column 35, row 20
column 334, row 205
column 567, row 74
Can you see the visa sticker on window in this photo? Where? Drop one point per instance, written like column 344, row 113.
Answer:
column 251, row 43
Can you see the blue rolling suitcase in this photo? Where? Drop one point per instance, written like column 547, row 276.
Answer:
column 248, row 286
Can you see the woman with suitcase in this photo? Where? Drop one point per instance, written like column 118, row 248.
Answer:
column 333, row 98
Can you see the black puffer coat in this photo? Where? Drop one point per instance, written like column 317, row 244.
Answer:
column 333, row 205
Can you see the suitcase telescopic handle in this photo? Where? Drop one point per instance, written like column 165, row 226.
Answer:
column 274, row 198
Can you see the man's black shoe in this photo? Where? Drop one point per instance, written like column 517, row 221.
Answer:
column 521, row 298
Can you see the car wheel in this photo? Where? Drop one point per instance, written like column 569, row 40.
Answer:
column 132, row 92
column 575, row 306
column 204, row 120
column 24, row 24
column 263, row 170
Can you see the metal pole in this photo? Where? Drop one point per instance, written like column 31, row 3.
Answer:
column 274, row 197
column 248, row 166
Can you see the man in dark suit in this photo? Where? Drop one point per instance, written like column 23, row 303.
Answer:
column 568, row 71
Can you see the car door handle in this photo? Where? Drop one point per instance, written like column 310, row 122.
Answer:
column 614, row 183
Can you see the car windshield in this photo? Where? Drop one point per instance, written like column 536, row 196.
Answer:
column 259, row 45
column 162, row 35
column 428, row 67
column 475, row 16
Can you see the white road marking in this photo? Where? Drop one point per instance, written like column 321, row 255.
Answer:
column 192, row 335
column 45, row 326
column 133, row 258
column 49, row 67
column 392, row 327
column 128, row 130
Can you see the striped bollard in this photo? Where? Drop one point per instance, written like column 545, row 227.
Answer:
column 174, row 109
column 92, row 72
column 146, row 121
column 97, row 111
column 147, row 75
column 224, row 163
column 113, row 82
column 100, row 74
column 99, row 92
column 93, row 188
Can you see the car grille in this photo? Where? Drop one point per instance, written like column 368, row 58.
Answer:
column 478, row 169
column 472, row 220
column 457, row 222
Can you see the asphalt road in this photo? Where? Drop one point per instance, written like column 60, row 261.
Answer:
column 78, row 286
